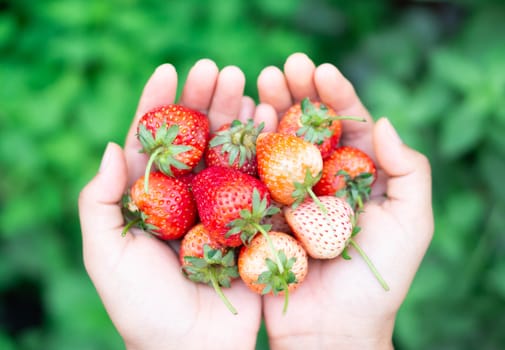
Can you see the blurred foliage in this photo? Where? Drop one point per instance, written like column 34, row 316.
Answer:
column 72, row 72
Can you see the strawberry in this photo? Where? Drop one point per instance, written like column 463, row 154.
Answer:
column 314, row 122
column 231, row 204
column 288, row 165
column 262, row 275
column 205, row 261
column 175, row 138
column 324, row 236
column 349, row 173
column 166, row 211
column 326, row 228
column 234, row 145
column 187, row 179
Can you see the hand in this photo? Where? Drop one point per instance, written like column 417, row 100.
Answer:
column 341, row 304
column 138, row 277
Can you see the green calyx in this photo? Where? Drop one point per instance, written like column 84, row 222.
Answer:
column 316, row 121
column 238, row 141
column 161, row 149
column 304, row 189
column 357, row 189
column 250, row 221
column 214, row 269
column 276, row 280
column 135, row 217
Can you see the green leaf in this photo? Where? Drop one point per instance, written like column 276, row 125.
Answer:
column 456, row 70
column 492, row 169
column 462, row 129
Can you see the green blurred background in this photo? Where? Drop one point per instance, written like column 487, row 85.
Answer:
column 71, row 72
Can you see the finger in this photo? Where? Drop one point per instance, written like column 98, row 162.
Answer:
column 200, row 84
column 273, row 89
column 266, row 114
column 409, row 178
column 299, row 71
column 405, row 218
column 99, row 207
column 246, row 109
column 336, row 91
column 227, row 100
column 160, row 89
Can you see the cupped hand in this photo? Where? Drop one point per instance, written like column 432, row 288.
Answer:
column 138, row 277
column 341, row 304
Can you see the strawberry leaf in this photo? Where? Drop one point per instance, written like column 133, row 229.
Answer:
column 250, row 221
column 357, row 189
column 238, row 141
column 213, row 269
column 303, row 189
column 161, row 148
column 134, row 217
column 274, row 280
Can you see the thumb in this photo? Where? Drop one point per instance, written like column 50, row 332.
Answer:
column 100, row 208
column 409, row 178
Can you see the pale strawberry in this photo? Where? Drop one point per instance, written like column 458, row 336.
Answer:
column 260, row 272
column 326, row 228
column 288, row 165
column 323, row 235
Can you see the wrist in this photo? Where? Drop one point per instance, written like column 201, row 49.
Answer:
column 355, row 335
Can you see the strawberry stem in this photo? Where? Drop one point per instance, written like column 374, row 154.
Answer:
column 221, row 295
column 130, row 225
column 317, row 201
column 271, row 246
column 350, row 117
column 148, row 168
column 370, row 264
column 286, row 299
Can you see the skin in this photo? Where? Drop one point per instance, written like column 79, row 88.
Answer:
column 138, row 278
column 341, row 304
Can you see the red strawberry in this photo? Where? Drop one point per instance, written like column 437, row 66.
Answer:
column 258, row 270
column 349, row 173
column 288, row 165
column 326, row 233
column 187, row 179
column 234, row 145
column 204, row 261
column 315, row 123
column 324, row 236
column 167, row 210
column 231, row 204
column 175, row 138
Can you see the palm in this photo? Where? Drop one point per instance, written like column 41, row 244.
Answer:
column 137, row 276
column 341, row 299
column 347, row 287
column 150, row 293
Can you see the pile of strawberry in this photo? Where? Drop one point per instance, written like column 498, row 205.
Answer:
column 262, row 204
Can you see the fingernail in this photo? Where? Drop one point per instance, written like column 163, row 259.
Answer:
column 392, row 131
column 105, row 158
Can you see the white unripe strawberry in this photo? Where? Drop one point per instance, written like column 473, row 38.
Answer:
column 324, row 235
